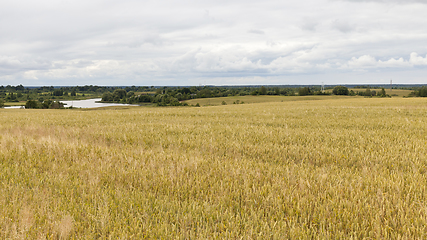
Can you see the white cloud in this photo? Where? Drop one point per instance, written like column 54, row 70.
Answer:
column 394, row 63
column 364, row 61
column 369, row 62
column 417, row 60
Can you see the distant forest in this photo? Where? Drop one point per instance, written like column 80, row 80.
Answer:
column 49, row 96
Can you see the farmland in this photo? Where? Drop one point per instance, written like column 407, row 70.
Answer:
column 258, row 99
column 264, row 98
column 334, row 167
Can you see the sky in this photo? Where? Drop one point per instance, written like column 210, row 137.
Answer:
column 200, row 42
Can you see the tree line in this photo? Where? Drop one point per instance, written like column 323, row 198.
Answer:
column 49, row 96
column 173, row 96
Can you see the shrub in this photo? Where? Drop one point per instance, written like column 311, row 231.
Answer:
column 422, row 92
column 56, row 105
column 32, row 104
column 47, row 103
column 382, row 93
column 107, row 97
column 340, row 90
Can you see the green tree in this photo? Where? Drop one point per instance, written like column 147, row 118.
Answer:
column 185, row 91
column 145, row 98
column 1, row 103
column 368, row 93
column 382, row 93
column 56, row 105
column 263, row 91
column 31, row 104
column 130, row 94
column 47, row 103
column 422, row 92
column 119, row 94
column 205, row 93
column 107, row 97
column 340, row 90
column 57, row 92
column 304, row 91
column 12, row 96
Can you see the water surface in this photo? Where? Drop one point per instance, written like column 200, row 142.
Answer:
column 88, row 103
column 91, row 103
column 13, row 107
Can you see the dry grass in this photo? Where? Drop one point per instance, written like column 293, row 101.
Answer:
column 338, row 168
column 257, row 99
column 14, row 104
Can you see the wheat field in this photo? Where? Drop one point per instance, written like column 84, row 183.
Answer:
column 348, row 168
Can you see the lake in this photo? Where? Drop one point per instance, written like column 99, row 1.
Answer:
column 91, row 103
column 13, row 107
column 88, row 103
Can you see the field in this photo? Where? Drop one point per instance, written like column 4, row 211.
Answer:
column 14, row 104
column 345, row 168
column 398, row 93
column 393, row 92
column 257, row 99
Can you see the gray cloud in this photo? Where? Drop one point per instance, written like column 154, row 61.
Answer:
column 256, row 31
column 309, row 24
column 390, row 1
column 343, row 26
column 181, row 43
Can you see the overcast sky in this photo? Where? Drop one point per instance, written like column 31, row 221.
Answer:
column 192, row 42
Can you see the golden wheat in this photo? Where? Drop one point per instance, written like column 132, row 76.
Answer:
column 337, row 168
